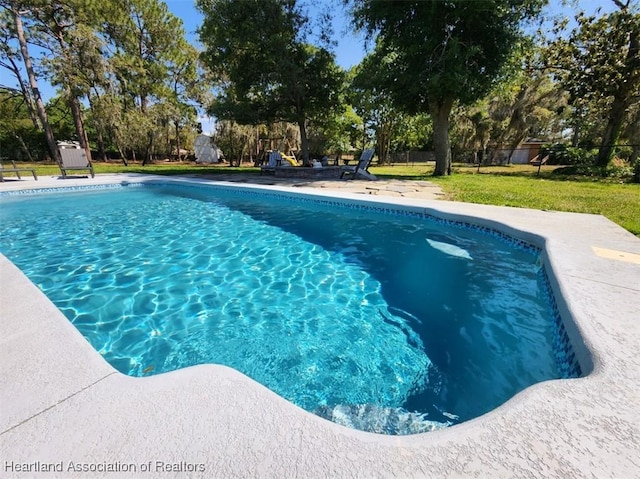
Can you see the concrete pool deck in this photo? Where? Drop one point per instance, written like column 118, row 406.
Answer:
column 64, row 409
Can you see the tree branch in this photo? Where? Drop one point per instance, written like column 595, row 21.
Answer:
column 620, row 5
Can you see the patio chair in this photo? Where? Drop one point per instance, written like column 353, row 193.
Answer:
column 16, row 170
column 74, row 159
column 275, row 159
column 362, row 168
column 539, row 161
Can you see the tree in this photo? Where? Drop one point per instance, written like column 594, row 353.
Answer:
column 145, row 42
column 632, row 134
column 126, row 57
column 234, row 140
column 109, row 121
column 268, row 72
column 599, row 63
column 372, row 103
column 15, row 10
column 340, row 131
column 147, row 48
column 187, row 84
column 472, row 130
column 18, row 137
column 414, row 133
column 444, row 52
column 10, row 60
column 60, row 28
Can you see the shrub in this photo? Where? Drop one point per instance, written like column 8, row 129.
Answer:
column 560, row 154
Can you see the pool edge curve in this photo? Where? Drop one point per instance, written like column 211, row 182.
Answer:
column 73, row 407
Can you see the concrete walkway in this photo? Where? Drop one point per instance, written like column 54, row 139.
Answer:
column 65, row 412
column 395, row 188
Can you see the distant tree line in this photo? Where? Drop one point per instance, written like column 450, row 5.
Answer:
column 442, row 76
column 127, row 80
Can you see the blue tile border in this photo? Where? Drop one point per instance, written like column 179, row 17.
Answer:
column 566, row 361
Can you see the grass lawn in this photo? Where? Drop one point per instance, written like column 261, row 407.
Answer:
column 514, row 185
column 520, row 186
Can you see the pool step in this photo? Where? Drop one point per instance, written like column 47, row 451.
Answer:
column 394, row 421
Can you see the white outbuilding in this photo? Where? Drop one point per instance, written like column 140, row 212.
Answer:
column 206, row 150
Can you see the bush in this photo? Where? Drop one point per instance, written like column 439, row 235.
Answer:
column 560, row 154
column 34, row 141
column 618, row 168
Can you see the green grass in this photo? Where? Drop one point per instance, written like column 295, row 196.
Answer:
column 514, row 185
column 519, row 186
column 152, row 169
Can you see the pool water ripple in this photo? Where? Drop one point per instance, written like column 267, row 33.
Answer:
column 356, row 317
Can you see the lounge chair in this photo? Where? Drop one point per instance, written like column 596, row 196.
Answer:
column 16, row 170
column 73, row 159
column 539, row 161
column 362, row 168
column 275, row 159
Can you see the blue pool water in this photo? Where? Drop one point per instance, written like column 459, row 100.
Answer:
column 381, row 322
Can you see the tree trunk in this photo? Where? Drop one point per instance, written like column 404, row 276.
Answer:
column 622, row 99
column 148, row 154
column 28, row 99
column 102, row 154
column 23, row 146
column 302, row 124
column 383, row 141
column 440, row 112
column 611, row 131
column 513, row 146
column 33, row 84
column 575, row 137
column 634, row 160
column 78, row 122
column 123, row 156
column 177, row 123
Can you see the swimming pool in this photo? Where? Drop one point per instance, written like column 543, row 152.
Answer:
column 361, row 309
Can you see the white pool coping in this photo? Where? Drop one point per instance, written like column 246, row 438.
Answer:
column 63, row 406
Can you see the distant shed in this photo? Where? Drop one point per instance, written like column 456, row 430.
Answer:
column 527, row 151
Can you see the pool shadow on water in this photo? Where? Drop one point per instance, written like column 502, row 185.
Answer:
column 434, row 296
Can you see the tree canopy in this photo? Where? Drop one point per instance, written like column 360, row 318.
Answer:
column 268, row 70
column 124, row 58
column 443, row 52
column 599, row 64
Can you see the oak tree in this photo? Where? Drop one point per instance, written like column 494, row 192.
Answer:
column 444, row 52
column 268, row 68
column 599, row 65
